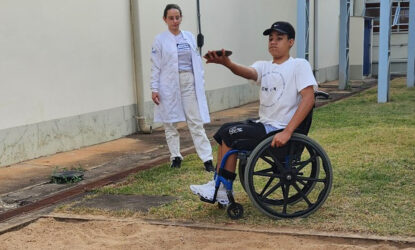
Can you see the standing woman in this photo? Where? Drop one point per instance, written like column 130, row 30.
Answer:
column 177, row 87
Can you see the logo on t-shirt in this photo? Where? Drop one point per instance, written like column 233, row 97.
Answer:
column 183, row 47
column 272, row 89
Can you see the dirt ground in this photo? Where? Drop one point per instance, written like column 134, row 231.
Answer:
column 49, row 233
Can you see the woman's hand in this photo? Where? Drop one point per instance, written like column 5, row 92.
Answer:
column 212, row 57
column 156, row 98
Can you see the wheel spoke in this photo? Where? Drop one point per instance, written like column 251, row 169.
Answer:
column 266, row 186
column 263, row 171
column 272, row 190
column 310, row 179
column 268, row 160
column 276, row 162
column 302, row 182
column 285, row 191
column 305, row 163
column 259, row 173
column 302, row 195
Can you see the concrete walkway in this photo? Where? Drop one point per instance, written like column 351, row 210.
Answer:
column 29, row 181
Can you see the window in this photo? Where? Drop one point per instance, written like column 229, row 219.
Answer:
column 373, row 10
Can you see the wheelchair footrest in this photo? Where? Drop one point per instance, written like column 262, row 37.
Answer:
column 207, row 200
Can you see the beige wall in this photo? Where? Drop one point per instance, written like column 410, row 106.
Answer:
column 63, row 58
column 66, row 75
column 240, row 30
column 398, row 47
column 398, row 53
column 356, row 40
column 356, row 47
column 329, row 22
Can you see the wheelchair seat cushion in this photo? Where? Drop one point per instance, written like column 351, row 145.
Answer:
column 243, row 135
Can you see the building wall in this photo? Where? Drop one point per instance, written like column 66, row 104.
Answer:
column 66, row 76
column 328, row 40
column 398, row 49
column 72, row 75
column 356, row 38
column 398, row 53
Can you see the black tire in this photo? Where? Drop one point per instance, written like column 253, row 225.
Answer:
column 235, row 211
column 302, row 165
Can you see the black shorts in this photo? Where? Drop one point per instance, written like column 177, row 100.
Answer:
column 241, row 135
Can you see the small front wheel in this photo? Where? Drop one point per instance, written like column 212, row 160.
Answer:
column 235, row 211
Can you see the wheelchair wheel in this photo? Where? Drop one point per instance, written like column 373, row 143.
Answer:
column 307, row 188
column 289, row 181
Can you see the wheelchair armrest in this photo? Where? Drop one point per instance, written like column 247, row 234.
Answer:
column 321, row 94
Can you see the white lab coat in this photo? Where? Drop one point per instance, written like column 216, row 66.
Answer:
column 165, row 79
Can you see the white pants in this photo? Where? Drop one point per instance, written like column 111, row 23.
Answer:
column 194, row 122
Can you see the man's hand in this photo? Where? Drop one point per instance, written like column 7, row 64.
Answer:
column 212, row 57
column 156, row 98
column 280, row 139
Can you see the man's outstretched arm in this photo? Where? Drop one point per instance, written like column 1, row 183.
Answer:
column 240, row 70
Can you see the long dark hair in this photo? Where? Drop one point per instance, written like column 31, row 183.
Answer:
column 171, row 6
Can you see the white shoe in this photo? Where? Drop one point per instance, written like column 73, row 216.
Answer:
column 208, row 190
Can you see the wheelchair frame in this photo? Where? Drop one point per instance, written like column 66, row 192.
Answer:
column 302, row 164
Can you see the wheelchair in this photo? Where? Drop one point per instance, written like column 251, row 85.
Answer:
column 282, row 182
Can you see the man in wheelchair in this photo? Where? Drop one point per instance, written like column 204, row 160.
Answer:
column 287, row 88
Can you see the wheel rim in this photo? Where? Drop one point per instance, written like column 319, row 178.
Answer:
column 291, row 181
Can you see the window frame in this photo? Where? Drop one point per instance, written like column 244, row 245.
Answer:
column 374, row 12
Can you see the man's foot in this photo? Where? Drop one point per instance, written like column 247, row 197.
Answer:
column 208, row 190
column 176, row 162
column 209, row 166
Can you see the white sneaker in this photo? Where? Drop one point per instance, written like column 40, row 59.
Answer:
column 208, row 190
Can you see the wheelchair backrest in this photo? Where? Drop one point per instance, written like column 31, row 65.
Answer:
column 305, row 125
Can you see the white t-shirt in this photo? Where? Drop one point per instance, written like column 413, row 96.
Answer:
column 280, row 89
column 184, row 53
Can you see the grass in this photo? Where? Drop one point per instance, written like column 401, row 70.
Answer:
column 372, row 150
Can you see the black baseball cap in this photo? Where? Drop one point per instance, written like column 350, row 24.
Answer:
column 281, row 27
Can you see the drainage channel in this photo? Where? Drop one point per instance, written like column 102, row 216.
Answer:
column 79, row 189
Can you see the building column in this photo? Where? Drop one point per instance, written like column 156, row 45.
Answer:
column 410, row 72
column 384, row 51
column 302, row 28
column 344, row 44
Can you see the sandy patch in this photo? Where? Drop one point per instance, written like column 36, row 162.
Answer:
column 48, row 233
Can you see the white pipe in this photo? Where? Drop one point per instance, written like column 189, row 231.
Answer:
column 143, row 126
column 315, row 42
